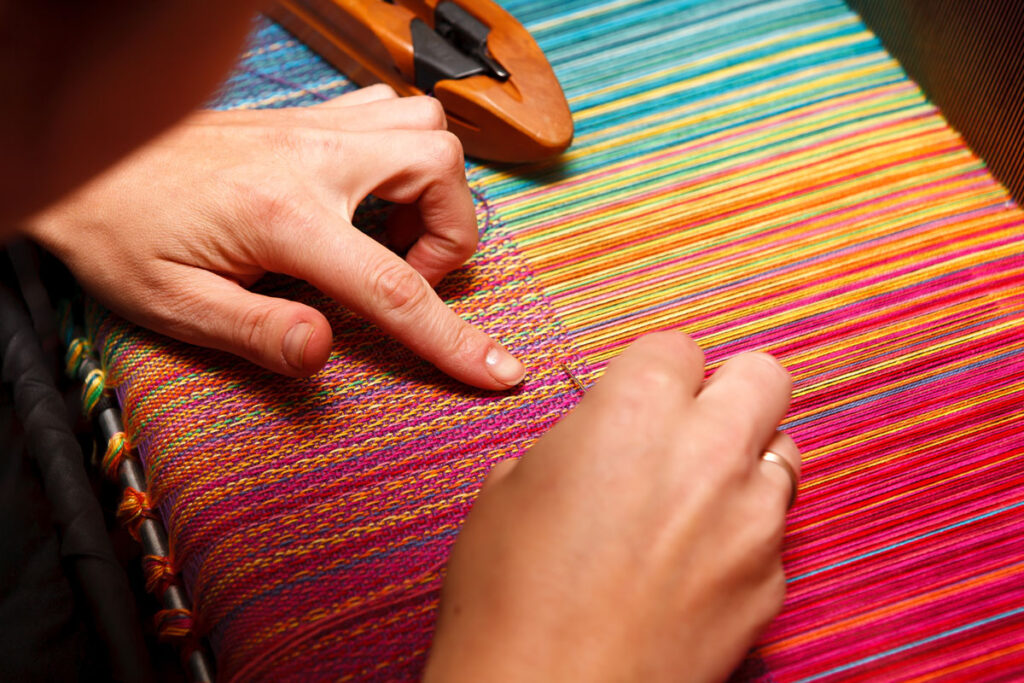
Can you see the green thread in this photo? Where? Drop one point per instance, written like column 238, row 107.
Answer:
column 117, row 446
column 78, row 350
column 92, row 390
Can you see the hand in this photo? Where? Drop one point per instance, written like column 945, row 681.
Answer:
column 638, row 540
column 171, row 237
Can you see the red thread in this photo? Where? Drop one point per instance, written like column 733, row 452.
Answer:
column 134, row 508
column 117, row 447
column 159, row 574
column 173, row 624
column 301, row 636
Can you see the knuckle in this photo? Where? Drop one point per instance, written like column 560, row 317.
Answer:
column 269, row 207
column 306, row 143
column 382, row 89
column 253, row 327
column 464, row 341
column 672, row 345
column 444, row 152
column 624, row 402
column 327, row 144
column 396, row 287
column 628, row 412
column 281, row 139
column 718, row 443
column 635, row 386
column 766, row 365
column 717, row 440
column 689, row 349
column 654, row 380
column 461, row 244
column 429, row 112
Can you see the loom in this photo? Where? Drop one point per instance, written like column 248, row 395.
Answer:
column 762, row 175
column 497, row 89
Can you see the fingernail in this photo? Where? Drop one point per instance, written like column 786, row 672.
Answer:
column 504, row 367
column 295, row 344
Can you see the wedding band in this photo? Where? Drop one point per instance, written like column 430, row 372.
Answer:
column 769, row 456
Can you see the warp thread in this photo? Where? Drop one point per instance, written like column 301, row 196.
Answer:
column 300, row 638
column 278, row 80
column 760, row 172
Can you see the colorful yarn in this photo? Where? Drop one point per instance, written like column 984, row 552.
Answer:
column 173, row 624
column 760, row 174
column 135, row 507
column 117, row 446
column 78, row 350
column 92, row 390
column 159, row 573
column 302, row 637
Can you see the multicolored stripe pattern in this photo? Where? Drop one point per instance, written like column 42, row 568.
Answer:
column 760, row 174
column 289, row 502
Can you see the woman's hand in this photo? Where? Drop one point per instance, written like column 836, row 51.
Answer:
column 638, row 540
column 171, row 237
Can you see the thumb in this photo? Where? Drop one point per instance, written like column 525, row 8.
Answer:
column 281, row 335
column 498, row 473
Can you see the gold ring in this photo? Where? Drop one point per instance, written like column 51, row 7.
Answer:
column 769, row 456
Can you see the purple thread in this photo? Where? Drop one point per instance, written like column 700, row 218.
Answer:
column 284, row 82
column 480, row 197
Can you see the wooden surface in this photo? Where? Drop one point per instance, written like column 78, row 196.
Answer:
column 523, row 119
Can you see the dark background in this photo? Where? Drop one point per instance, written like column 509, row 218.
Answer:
column 968, row 57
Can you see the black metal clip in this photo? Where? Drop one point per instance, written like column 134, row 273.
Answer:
column 455, row 48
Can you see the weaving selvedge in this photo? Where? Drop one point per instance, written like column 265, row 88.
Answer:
column 760, row 174
column 289, row 501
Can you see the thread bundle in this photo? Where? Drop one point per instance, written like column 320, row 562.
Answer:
column 762, row 175
column 173, row 623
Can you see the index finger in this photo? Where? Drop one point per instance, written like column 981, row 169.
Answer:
column 372, row 281
column 426, row 169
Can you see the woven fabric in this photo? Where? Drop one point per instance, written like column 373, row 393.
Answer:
column 288, row 502
column 759, row 174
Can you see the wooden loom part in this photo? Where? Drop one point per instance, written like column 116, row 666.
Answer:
column 522, row 117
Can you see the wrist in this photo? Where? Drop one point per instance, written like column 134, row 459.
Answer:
column 48, row 227
column 475, row 653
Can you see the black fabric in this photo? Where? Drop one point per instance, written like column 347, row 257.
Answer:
column 60, row 574
column 42, row 637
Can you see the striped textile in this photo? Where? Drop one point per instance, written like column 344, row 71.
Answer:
column 758, row 173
